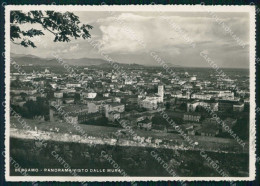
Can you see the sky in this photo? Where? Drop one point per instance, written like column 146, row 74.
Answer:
column 176, row 37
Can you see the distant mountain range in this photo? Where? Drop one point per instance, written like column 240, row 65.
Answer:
column 22, row 59
column 34, row 60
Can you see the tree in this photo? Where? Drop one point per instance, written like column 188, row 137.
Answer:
column 16, row 83
column 168, row 105
column 62, row 25
column 241, row 128
column 183, row 106
column 23, row 95
column 35, row 108
column 76, row 97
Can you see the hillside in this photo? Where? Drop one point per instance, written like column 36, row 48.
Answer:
column 34, row 60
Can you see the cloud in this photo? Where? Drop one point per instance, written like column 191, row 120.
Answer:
column 127, row 31
column 74, row 47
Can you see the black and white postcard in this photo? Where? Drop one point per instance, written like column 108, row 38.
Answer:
column 130, row 93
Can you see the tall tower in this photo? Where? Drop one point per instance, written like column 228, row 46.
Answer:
column 161, row 92
column 51, row 112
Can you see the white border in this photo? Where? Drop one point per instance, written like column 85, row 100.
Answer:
column 134, row 8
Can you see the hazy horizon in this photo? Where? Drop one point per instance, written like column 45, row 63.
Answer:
column 147, row 65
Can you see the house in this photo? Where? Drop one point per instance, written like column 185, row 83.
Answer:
column 145, row 124
column 19, row 103
column 54, row 85
column 238, row 107
column 212, row 105
column 58, row 94
column 68, row 100
column 193, row 78
column 113, row 107
column 112, row 116
column 26, row 90
column 139, row 139
column 226, row 105
column 149, row 103
column 158, row 141
column 202, row 96
column 191, row 107
column 128, row 81
column 191, row 132
column 117, row 99
column 208, row 130
column 18, row 76
column 191, row 116
column 55, row 101
column 67, row 90
column 211, row 121
column 106, row 95
column 73, row 85
column 89, row 95
column 75, row 113
column 148, row 140
column 179, row 94
column 132, row 100
column 41, row 95
column 93, row 107
column 16, row 98
column 136, row 117
column 97, row 100
column 31, row 98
